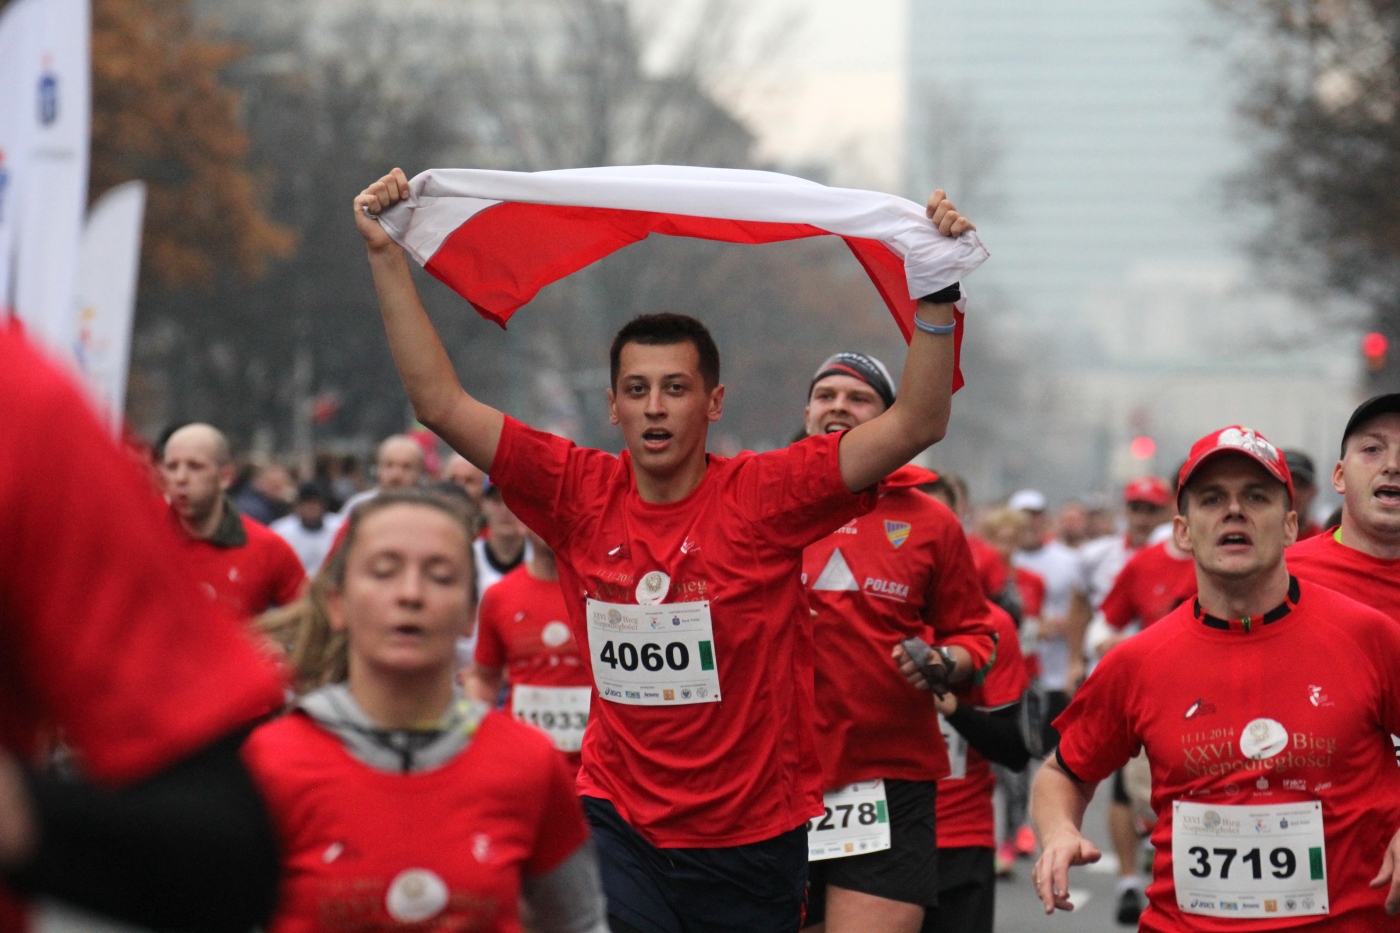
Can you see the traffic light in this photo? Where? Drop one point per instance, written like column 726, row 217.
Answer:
column 1373, row 348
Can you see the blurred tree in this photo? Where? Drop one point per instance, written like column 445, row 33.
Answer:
column 335, row 94
column 162, row 113
column 1324, row 92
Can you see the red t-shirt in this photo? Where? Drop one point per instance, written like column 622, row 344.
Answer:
column 1374, row 581
column 703, row 775
column 100, row 638
column 523, row 626
column 502, row 810
column 1151, row 584
column 901, row 571
column 1325, row 677
column 991, row 566
column 964, row 805
column 249, row 580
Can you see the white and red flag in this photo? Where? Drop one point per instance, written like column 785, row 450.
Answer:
column 497, row 238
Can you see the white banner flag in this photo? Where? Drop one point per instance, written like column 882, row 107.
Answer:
column 58, row 105
column 16, row 100
column 110, row 262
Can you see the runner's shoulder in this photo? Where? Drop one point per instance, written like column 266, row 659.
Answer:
column 1318, row 547
column 516, row 744
column 1168, row 636
column 288, row 745
column 1375, row 634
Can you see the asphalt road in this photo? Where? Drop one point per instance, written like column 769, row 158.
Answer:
column 1093, row 890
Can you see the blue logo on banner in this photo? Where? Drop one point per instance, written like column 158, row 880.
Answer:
column 48, row 98
column 4, row 185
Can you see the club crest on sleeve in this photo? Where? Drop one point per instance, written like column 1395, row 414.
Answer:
column 897, row 532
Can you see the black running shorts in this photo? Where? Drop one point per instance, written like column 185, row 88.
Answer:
column 907, row 871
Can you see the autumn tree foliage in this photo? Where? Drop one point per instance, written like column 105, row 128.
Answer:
column 161, row 113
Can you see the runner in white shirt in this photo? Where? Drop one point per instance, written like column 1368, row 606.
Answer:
column 310, row 529
column 1058, row 565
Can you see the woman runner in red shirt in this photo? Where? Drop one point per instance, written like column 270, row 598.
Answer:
column 396, row 799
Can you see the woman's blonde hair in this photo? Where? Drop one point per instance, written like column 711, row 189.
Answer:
column 315, row 653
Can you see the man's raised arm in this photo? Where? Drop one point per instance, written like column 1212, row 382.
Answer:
column 439, row 401
column 919, row 416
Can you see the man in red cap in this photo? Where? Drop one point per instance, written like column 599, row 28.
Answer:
column 1361, row 556
column 1263, row 706
column 901, row 571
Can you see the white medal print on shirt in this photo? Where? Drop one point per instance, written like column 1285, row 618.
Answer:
column 415, row 895
column 652, row 588
column 1263, row 738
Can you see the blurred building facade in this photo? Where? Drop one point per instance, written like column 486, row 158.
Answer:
column 1095, row 141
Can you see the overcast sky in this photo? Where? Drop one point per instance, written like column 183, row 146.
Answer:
column 834, row 91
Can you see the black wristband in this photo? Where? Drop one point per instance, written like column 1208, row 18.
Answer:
column 945, row 296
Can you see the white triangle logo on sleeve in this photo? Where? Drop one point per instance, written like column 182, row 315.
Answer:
column 836, row 575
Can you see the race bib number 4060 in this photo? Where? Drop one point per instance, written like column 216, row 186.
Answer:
column 653, row 655
column 1249, row 862
column 855, row 821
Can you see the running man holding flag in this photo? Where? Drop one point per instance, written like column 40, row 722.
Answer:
column 700, row 767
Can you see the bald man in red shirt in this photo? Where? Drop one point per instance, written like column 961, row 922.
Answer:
column 238, row 563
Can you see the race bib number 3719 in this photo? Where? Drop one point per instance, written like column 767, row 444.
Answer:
column 660, row 655
column 1249, row 862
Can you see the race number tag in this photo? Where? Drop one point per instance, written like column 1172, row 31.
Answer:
column 1249, row 862
column 957, row 750
column 562, row 712
column 856, row 822
column 653, row 655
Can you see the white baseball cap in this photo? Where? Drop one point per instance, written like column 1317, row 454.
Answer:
column 1028, row 500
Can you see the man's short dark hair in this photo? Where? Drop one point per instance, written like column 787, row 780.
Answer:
column 663, row 330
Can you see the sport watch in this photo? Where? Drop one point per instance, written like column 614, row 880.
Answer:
column 950, row 660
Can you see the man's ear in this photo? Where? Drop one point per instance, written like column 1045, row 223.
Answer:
column 716, row 403
column 1339, row 479
column 612, row 408
column 1181, row 534
column 1290, row 527
column 227, row 474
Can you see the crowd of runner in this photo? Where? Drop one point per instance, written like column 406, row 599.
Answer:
column 529, row 685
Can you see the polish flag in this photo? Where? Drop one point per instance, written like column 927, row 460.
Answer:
column 497, row 238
